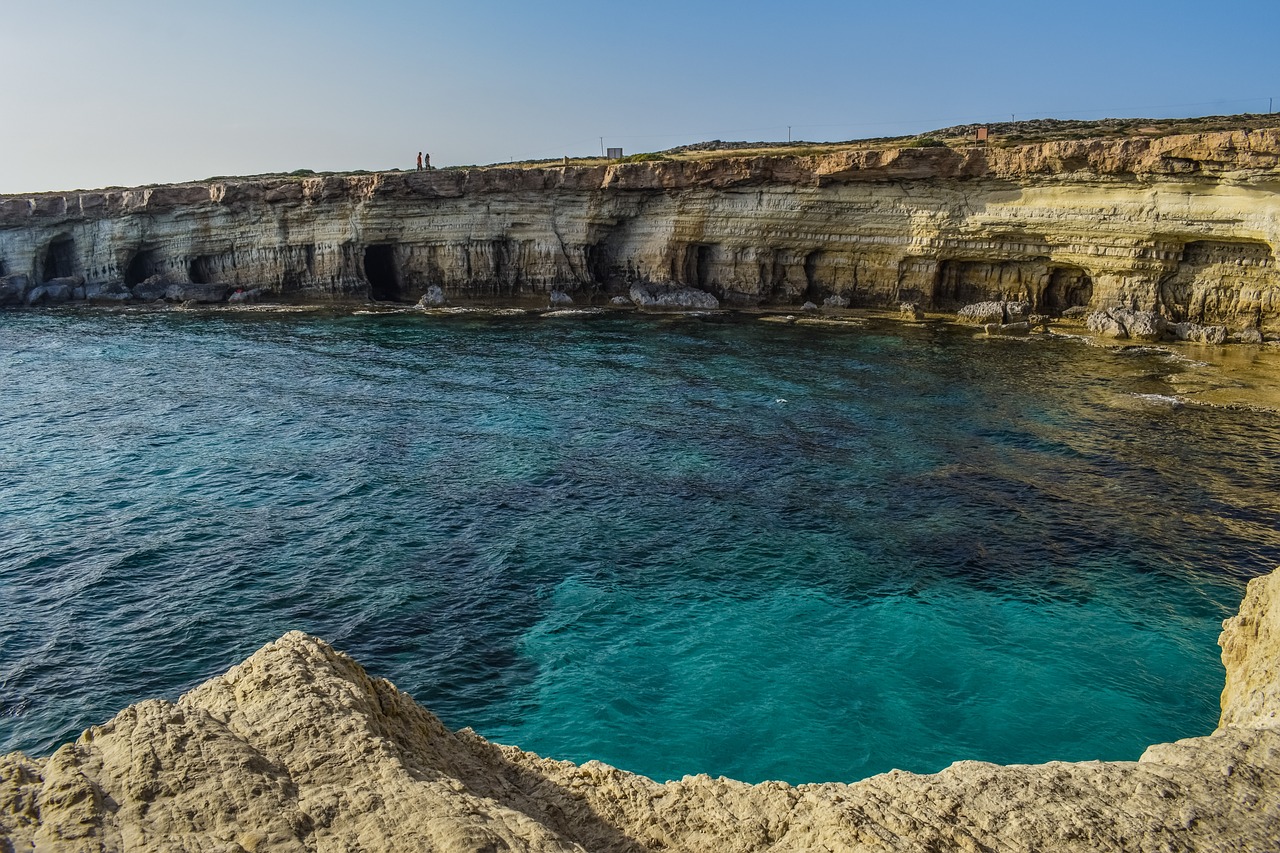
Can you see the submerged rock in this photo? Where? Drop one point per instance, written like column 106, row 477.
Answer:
column 1007, row 330
column 298, row 748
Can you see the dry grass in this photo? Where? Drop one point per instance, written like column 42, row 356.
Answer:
column 1002, row 134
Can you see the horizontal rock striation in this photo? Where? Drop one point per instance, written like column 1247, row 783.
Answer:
column 1183, row 225
column 299, row 749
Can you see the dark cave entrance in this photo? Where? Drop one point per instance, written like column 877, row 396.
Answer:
column 813, row 288
column 381, row 271
column 1068, row 288
column 698, row 260
column 199, row 270
column 141, row 267
column 60, row 259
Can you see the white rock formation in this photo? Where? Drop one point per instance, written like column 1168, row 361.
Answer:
column 299, row 749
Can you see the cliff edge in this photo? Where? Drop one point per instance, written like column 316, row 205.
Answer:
column 299, row 749
column 1185, row 225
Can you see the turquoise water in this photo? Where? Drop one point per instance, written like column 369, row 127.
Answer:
column 673, row 545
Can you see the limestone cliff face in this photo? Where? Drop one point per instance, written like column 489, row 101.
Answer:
column 299, row 749
column 1187, row 225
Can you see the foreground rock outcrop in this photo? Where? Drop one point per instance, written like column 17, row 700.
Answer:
column 1184, row 225
column 299, row 749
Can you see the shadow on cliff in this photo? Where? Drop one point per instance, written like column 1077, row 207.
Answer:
column 544, row 800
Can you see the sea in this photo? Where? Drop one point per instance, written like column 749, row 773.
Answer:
column 676, row 544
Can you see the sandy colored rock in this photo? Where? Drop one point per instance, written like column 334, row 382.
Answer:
column 299, row 749
column 1180, row 225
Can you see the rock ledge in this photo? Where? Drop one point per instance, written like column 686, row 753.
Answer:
column 299, row 749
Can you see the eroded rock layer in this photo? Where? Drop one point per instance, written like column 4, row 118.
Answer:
column 299, row 749
column 1184, row 225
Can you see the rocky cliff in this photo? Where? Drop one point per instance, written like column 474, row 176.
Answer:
column 299, row 749
column 1186, row 225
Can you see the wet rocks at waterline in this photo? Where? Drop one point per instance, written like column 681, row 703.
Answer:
column 672, row 296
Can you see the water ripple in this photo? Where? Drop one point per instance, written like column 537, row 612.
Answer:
column 607, row 538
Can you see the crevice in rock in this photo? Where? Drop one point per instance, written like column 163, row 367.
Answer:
column 965, row 282
column 200, row 270
column 696, row 271
column 1221, row 282
column 382, row 272
column 144, row 264
column 814, row 289
column 59, row 259
column 1069, row 287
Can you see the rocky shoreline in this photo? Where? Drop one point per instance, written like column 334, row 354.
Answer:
column 299, row 749
column 1181, row 227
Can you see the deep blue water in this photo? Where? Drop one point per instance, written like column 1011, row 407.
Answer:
column 673, row 545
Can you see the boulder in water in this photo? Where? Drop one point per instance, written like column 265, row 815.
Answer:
column 13, row 289
column 672, row 296
column 1127, row 323
column 152, row 288
column 982, row 313
column 433, row 298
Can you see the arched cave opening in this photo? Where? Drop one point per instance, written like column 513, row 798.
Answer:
column 813, row 288
column 698, row 260
column 704, row 266
column 142, row 266
column 200, row 270
column 381, row 271
column 1069, row 287
column 60, row 259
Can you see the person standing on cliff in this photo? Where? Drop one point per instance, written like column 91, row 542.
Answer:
column 419, row 161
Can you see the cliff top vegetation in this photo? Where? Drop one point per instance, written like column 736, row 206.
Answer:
column 1000, row 135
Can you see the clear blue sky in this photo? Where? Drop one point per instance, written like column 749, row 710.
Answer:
column 139, row 91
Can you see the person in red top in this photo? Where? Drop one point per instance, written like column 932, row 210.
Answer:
column 419, row 161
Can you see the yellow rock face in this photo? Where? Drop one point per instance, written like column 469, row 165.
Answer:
column 1186, row 225
column 298, row 748
column 1251, row 653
